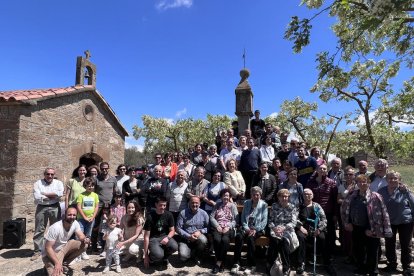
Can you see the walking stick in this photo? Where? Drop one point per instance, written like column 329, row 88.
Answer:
column 315, row 226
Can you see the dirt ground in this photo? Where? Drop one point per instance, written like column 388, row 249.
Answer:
column 17, row 262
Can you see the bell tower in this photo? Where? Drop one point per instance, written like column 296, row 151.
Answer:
column 85, row 70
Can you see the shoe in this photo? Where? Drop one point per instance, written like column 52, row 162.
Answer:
column 165, row 262
column 77, row 259
column 118, row 269
column 287, row 272
column 331, row 270
column 36, row 256
column 106, row 269
column 65, row 269
column 249, row 271
column 216, row 269
column 103, row 254
column 84, row 256
column 235, row 269
column 300, row 269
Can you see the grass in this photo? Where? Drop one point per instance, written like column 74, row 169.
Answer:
column 407, row 174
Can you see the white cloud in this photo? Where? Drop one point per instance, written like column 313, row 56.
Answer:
column 132, row 142
column 181, row 112
column 163, row 5
column 274, row 114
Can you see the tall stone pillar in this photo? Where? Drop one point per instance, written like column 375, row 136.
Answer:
column 244, row 101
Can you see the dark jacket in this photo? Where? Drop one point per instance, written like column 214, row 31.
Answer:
column 269, row 187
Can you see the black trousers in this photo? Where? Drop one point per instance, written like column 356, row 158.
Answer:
column 279, row 247
column 405, row 233
column 242, row 237
column 221, row 243
column 365, row 248
column 304, row 240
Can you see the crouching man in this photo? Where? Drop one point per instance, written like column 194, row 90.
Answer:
column 59, row 250
column 192, row 225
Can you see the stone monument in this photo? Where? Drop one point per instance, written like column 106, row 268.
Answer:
column 244, row 101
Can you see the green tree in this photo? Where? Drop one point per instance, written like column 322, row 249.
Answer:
column 133, row 157
column 164, row 135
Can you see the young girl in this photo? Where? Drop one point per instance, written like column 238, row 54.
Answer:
column 103, row 226
column 113, row 235
column 87, row 204
column 118, row 209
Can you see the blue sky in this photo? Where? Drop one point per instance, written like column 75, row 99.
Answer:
column 172, row 59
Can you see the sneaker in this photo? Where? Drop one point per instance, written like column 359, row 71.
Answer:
column 249, row 271
column 235, row 269
column 118, row 269
column 106, row 269
column 77, row 259
column 36, row 256
column 85, row 256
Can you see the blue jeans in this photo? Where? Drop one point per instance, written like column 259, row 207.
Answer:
column 86, row 226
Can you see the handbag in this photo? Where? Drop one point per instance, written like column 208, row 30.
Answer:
column 277, row 268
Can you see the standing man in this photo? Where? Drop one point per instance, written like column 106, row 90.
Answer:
column 306, row 166
column 46, row 192
column 105, row 188
column 336, row 173
column 229, row 153
column 293, row 155
column 197, row 185
column 379, row 177
column 59, row 248
column 362, row 168
column 192, row 227
column 250, row 161
column 159, row 233
column 257, row 125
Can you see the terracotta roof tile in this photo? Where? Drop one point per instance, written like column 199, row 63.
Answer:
column 20, row 95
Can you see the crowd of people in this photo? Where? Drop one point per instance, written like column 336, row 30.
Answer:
column 242, row 188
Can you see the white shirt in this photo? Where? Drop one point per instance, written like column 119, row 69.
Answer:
column 113, row 237
column 41, row 186
column 59, row 235
column 225, row 155
column 378, row 183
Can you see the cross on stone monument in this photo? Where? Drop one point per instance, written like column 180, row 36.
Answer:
column 87, row 54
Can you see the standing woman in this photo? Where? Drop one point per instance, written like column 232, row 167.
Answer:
column 75, row 187
column 187, row 167
column 365, row 215
column 121, row 177
column 315, row 152
column 223, row 222
column 294, row 187
column 130, row 189
column 234, row 181
column 169, row 168
column 400, row 205
column 131, row 224
column 267, row 152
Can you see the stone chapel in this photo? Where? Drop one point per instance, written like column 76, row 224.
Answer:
column 53, row 127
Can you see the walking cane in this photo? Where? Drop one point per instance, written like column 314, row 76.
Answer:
column 315, row 226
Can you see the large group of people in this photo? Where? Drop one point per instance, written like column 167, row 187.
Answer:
column 244, row 187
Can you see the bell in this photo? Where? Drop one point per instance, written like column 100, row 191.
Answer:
column 87, row 74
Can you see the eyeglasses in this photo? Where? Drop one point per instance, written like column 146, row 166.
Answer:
column 52, row 174
column 104, row 169
column 123, row 169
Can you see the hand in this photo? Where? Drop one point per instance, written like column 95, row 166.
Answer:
column 317, row 233
column 219, row 229
column 146, row 261
column 120, row 245
column 164, row 241
column 196, row 234
column 252, row 232
column 58, row 270
column 369, row 233
column 226, row 229
column 86, row 240
column 303, row 230
column 349, row 227
column 127, row 194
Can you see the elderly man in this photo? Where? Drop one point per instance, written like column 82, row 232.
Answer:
column 336, row 173
column 47, row 193
column 229, row 153
column 208, row 166
column 197, row 185
column 379, row 176
column 311, row 224
column 192, row 225
column 362, row 168
column 293, row 155
column 176, row 194
column 60, row 250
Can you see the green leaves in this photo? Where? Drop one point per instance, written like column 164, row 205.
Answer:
column 298, row 31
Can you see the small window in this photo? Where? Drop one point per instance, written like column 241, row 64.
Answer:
column 88, row 112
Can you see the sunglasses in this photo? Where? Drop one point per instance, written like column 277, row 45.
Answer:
column 52, row 174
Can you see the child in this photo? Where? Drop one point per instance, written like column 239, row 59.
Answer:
column 118, row 209
column 112, row 235
column 103, row 226
column 87, row 205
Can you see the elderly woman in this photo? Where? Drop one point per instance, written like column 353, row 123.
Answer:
column 155, row 186
column 223, row 222
column 234, row 181
column 294, row 187
column 253, row 224
column 266, row 182
column 400, row 205
column 365, row 215
column 282, row 222
column 211, row 193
